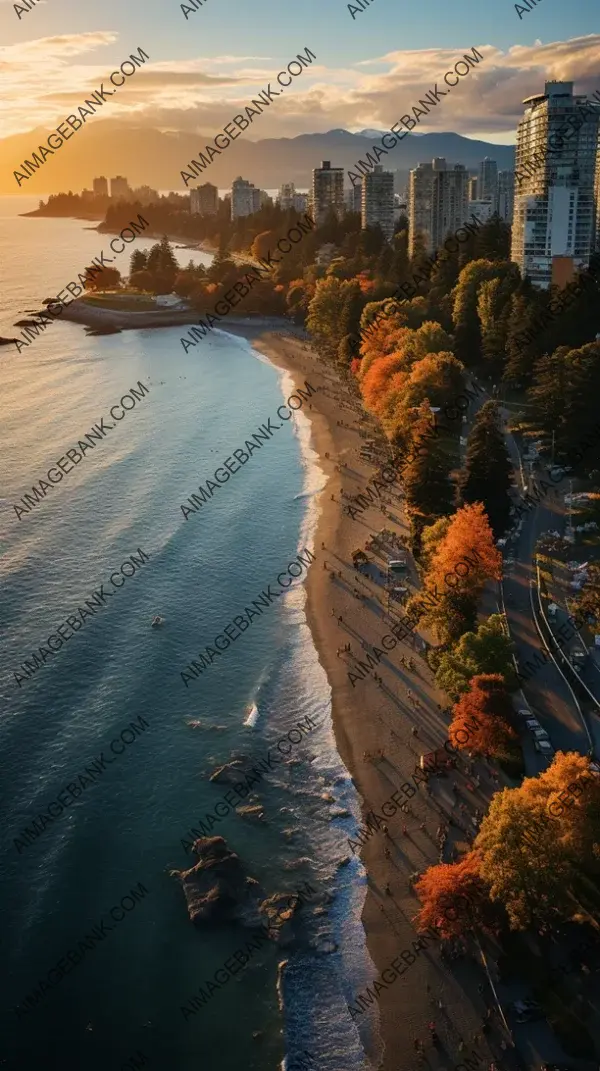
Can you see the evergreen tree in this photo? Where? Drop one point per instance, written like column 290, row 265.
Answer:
column 486, row 476
column 352, row 308
column 138, row 261
column 426, row 479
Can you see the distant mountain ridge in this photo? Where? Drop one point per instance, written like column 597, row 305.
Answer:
column 155, row 158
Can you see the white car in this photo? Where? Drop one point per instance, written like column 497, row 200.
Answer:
column 524, row 713
column 544, row 747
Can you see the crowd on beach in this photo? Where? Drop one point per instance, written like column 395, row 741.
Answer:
column 444, row 816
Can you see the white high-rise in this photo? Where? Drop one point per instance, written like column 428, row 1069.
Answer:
column 377, row 204
column 557, row 167
column 245, row 198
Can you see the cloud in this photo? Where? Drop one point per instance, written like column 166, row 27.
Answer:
column 201, row 96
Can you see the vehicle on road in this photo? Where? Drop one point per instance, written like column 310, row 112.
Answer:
column 540, row 734
column 532, row 724
column 544, row 747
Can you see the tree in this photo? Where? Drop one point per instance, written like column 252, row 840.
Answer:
column 487, row 650
column 138, row 261
column 588, row 600
column 142, row 280
column 480, row 718
column 467, row 328
column 537, row 840
column 526, row 874
column 427, row 487
column 263, row 243
column 105, row 279
column 455, row 899
column 467, row 543
column 324, row 314
column 487, row 473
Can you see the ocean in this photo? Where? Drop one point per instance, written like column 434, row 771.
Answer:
column 125, row 994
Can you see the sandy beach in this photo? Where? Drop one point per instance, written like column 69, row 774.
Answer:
column 374, row 722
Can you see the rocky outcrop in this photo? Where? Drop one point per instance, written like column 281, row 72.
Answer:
column 217, row 889
column 229, row 774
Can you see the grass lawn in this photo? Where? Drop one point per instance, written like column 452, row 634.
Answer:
column 129, row 301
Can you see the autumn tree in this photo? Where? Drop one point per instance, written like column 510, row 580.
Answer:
column 487, row 650
column 487, row 473
column 461, row 564
column 540, row 842
column 528, row 879
column 455, row 899
column 480, row 718
column 588, row 600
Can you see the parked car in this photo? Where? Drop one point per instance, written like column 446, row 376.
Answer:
column 524, row 713
column 532, row 724
column 544, row 747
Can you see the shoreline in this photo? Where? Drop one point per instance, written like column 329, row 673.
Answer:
column 373, row 725
column 198, row 246
column 353, row 733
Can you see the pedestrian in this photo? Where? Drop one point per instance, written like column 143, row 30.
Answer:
column 414, row 731
column 422, row 826
column 340, row 619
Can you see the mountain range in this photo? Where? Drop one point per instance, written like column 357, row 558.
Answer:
column 155, row 158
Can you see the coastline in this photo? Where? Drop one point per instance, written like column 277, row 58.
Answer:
column 354, row 733
column 200, row 246
column 373, row 725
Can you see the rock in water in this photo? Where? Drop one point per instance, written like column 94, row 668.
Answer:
column 229, row 773
column 216, row 888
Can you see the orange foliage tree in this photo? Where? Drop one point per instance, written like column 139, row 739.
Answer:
column 480, row 717
column 463, row 561
column 455, row 898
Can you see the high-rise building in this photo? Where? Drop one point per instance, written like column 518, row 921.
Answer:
column 288, row 198
column 377, row 207
column 204, row 200
column 353, row 198
column 327, row 191
column 505, row 197
column 450, row 200
column 245, row 198
column 146, row 195
column 557, row 167
column 482, row 210
column 438, row 204
column 420, row 185
column 100, row 186
column 285, row 199
column 119, row 189
column 488, row 180
column 473, row 188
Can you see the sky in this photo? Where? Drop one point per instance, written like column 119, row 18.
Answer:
column 369, row 70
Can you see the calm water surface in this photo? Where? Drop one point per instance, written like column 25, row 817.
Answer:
column 127, row 827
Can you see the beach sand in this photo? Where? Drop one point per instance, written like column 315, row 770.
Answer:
column 371, row 719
